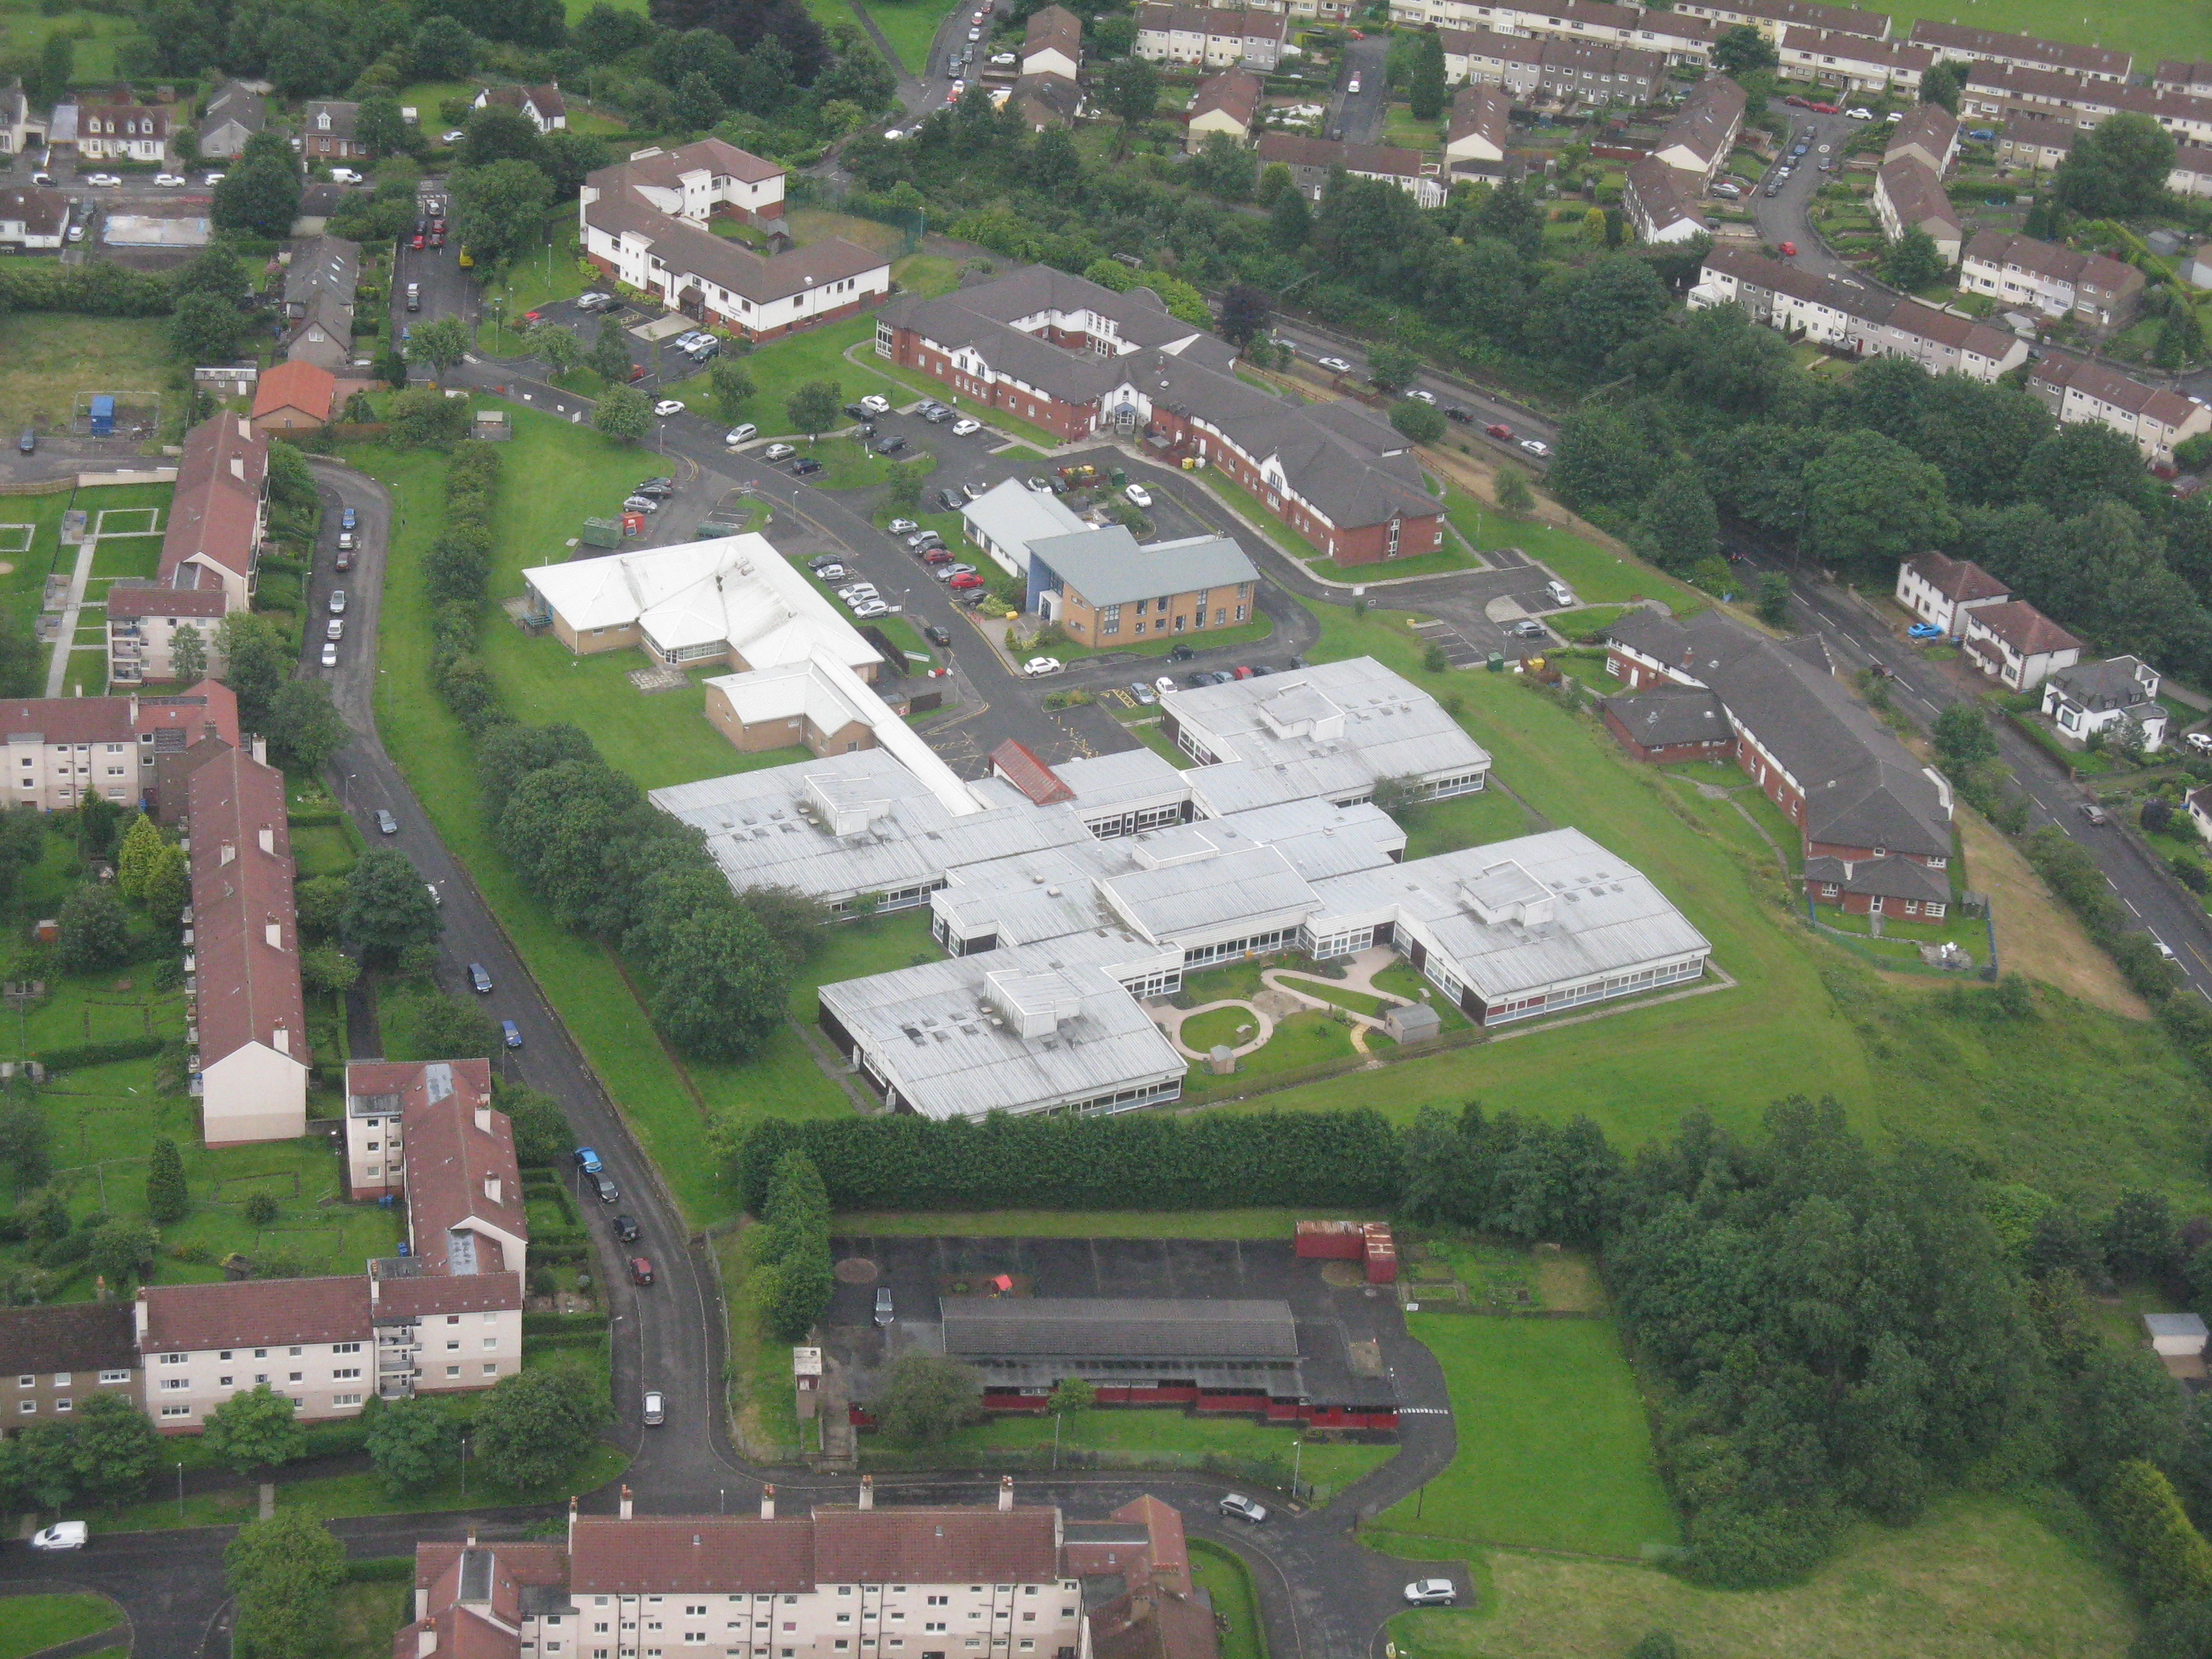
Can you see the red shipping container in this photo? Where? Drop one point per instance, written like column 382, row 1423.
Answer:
column 1341, row 1240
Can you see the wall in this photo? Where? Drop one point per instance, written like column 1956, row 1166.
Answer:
column 254, row 1093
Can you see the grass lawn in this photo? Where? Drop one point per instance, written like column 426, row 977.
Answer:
column 762, row 1416
column 1457, row 821
column 28, row 1623
column 1402, row 128
column 1596, row 576
column 1144, row 1438
column 49, row 359
column 2151, row 29
column 366, row 1617
column 1303, row 1040
column 1553, row 1449
column 2078, row 1101
column 1227, row 1582
column 1068, row 1224
column 95, row 39
column 926, row 273
column 780, row 368
column 910, row 26
column 1980, row 1577
column 667, row 1105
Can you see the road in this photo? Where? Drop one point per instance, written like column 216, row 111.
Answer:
column 1357, row 117
column 1860, row 636
column 1781, row 207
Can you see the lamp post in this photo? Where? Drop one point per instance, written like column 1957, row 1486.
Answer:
column 1298, row 1452
column 464, row 1469
column 180, row 1494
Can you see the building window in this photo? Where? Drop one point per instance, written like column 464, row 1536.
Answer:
column 1109, row 620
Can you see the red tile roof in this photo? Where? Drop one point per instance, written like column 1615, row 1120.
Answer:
column 936, row 1545
column 2022, row 627
column 133, row 600
column 717, row 1553
column 247, row 986
column 497, row 1289
column 1169, row 1553
column 1957, row 579
column 296, row 384
column 729, row 1555
column 251, row 1313
column 218, row 495
column 448, row 1157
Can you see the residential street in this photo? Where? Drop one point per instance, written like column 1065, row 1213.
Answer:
column 1785, row 217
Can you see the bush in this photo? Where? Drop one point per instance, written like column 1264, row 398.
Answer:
column 381, row 1570
column 2167, row 1557
column 97, row 1053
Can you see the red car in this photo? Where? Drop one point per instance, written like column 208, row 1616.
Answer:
column 1499, row 429
column 417, row 243
column 1794, row 100
column 1241, row 673
column 936, row 556
column 1790, row 249
column 1822, row 109
column 641, row 1271
column 966, row 578
column 532, row 317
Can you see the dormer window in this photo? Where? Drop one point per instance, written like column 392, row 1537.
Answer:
column 323, row 122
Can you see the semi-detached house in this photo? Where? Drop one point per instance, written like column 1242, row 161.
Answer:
column 1078, row 358
column 32, row 218
column 1941, row 590
column 645, row 223
column 1908, row 197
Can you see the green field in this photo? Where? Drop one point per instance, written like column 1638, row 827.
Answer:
column 48, row 359
column 1980, row 1577
column 94, row 36
column 910, row 26
column 1228, row 1582
column 1596, row 576
column 2151, row 29
column 1553, row 1452
column 28, row 1623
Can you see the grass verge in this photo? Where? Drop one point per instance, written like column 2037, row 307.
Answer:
column 1227, row 1582
column 28, row 1623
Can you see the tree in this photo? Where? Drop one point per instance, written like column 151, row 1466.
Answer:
column 1678, row 526
column 557, row 346
column 260, row 192
column 95, row 932
column 609, row 357
column 499, row 210
column 902, row 484
column 2140, row 1239
column 541, row 1132
column 1743, row 49
column 2168, row 1559
column 328, row 971
column 411, row 1442
column 121, row 1252
column 720, row 985
column 1072, row 1394
column 24, row 1136
column 1871, row 503
column 698, row 105
column 255, row 663
column 115, row 1450
column 254, row 1430
column 378, row 124
column 441, row 343
column 1913, row 261
column 141, row 843
column 169, row 885
column 56, row 65
column 1222, row 168
column 387, row 908
column 1941, row 82
column 1290, row 221
column 1420, row 422
column 441, row 50
column 814, row 407
column 1509, row 489
column 623, row 414
column 499, row 133
column 730, row 387
column 923, row 1397
column 425, row 418
column 204, row 329
column 537, row 1426
column 259, row 1209
column 188, row 660
column 284, row 1571
column 2118, row 169
column 1774, row 599
column 1425, row 93
column 303, row 726
column 1130, row 93
column 99, row 821
column 447, row 1029
column 1963, row 738
column 1602, row 459
column 167, row 1197
column 1392, row 368
column 1246, row 312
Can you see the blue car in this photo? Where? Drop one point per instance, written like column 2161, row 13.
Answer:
column 588, row 1160
column 1924, row 631
column 345, row 518
column 512, row 1032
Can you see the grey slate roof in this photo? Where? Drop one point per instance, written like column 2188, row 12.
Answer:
column 1861, row 786
column 2098, row 686
column 68, row 1336
column 1668, row 715
column 1110, row 566
column 322, row 265
column 1890, row 877
column 1118, row 1328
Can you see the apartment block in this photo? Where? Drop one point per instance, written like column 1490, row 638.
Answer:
column 61, row 1356
column 59, row 750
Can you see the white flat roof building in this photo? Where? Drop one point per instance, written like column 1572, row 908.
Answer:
column 1007, row 517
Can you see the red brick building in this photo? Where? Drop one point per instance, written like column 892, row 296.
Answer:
column 1876, row 825
column 1080, row 359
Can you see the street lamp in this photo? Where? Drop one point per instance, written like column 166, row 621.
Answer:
column 464, row 1469
column 180, row 1494
column 1297, row 1451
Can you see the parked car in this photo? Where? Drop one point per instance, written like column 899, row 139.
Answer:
column 1535, row 446
column 1333, row 365
column 334, row 629
column 805, row 467
column 936, row 635
column 947, row 571
column 345, row 555
column 854, row 411
column 1240, row 673
column 346, row 518
column 659, row 487
column 1180, row 653
column 104, row 180
column 2094, row 813
column 414, row 290
column 1789, row 249
column 1417, row 395
column 869, row 609
column 965, row 579
column 819, row 560
column 453, row 136
column 668, row 406
column 1038, row 667
column 510, row 1033
column 1138, row 495
column 1165, row 682
column 949, row 500
column 587, row 1159
column 625, row 1228
column 1924, row 631
column 1559, row 593
column 640, row 504
column 479, row 979
column 1201, row 679
column 777, row 452
column 592, row 299
column 62, row 1535
column 833, row 572
column 963, row 426
column 603, row 1188
column 875, row 405
column 1239, row 1507
column 883, row 1312
column 385, row 824
column 26, row 441
column 338, row 176
column 330, row 658
column 1499, row 429
column 1431, row 1593
column 936, row 554
column 971, row 491
column 741, row 434
column 656, row 1408
column 641, row 1271
column 889, row 446
column 2201, row 742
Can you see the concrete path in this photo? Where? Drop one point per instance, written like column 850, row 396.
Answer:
column 1171, row 1022
column 65, row 642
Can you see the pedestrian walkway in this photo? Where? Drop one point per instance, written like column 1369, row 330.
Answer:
column 66, row 640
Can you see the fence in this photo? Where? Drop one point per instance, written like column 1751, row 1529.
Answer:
column 1859, row 945
column 91, row 480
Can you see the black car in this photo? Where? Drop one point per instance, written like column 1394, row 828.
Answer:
column 950, row 500
column 856, row 412
column 1201, row 677
column 889, row 446
column 657, row 488
column 1454, row 412
column 821, row 559
column 1180, row 653
column 803, row 466
column 935, row 634
column 608, row 1192
column 625, row 1229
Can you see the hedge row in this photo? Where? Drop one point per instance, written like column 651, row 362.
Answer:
column 558, row 1324
column 1136, row 1161
column 565, row 1339
column 99, row 289
column 97, row 1053
column 381, row 1569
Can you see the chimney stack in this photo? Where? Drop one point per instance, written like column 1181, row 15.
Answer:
column 472, row 1538
column 426, row 1641
column 867, row 1491
column 768, row 1502
column 625, row 1501
column 483, row 1117
column 1006, row 1493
